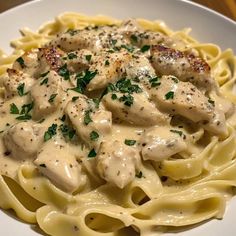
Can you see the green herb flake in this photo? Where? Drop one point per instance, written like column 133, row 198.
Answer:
column 67, row 131
column 88, row 57
column 94, row 136
column 83, row 79
column 52, row 130
column 63, row 118
column 128, row 47
column 169, row 95
column 125, row 86
column 107, row 63
column 211, row 102
column 175, row 79
column 113, row 96
column 92, row 153
column 43, row 165
column 44, row 74
column 52, row 97
column 114, row 41
column 145, row 48
column 24, row 117
column 130, row 142
column 75, row 98
column 20, row 89
column 155, row 82
column 64, row 72
column 134, row 38
column 127, row 99
column 87, row 118
column 96, row 102
column 180, row 133
column 72, row 55
column 41, row 121
column 14, row 109
column 139, row 174
column 21, row 61
column 44, row 81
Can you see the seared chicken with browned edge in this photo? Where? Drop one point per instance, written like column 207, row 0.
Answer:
column 106, row 98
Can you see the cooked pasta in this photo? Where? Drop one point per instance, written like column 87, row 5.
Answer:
column 132, row 133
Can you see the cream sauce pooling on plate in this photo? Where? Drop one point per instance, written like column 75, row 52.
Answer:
column 114, row 95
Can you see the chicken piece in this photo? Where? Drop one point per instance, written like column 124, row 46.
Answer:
column 185, row 66
column 140, row 37
column 141, row 112
column 50, row 58
column 17, row 83
column 217, row 125
column 91, row 38
column 79, row 60
column 159, row 143
column 139, row 68
column 60, row 166
column 27, row 63
column 183, row 98
column 117, row 163
column 46, row 95
column 222, row 104
column 90, row 122
column 24, row 139
column 109, row 68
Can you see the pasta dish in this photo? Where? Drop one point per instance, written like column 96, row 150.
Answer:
column 116, row 128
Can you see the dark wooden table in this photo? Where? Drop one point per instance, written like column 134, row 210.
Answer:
column 226, row 7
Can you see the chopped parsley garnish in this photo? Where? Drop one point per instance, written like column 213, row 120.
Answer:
column 67, row 131
column 52, row 130
column 24, row 117
column 72, row 55
column 139, row 174
column 169, row 95
column 44, row 81
column 180, row 133
column 41, row 121
column 72, row 32
column 113, row 41
column 83, row 79
column 25, row 109
column 52, row 97
column 134, row 38
column 107, row 63
column 14, row 109
column 44, row 74
column 75, row 98
column 92, row 153
column 127, row 99
column 63, row 118
column 64, row 72
column 20, row 89
column 96, row 102
column 43, row 165
column 125, row 86
column 145, row 48
column 88, row 57
column 21, row 61
column 130, row 142
column 113, row 96
column 87, row 118
column 211, row 102
column 94, row 136
column 155, row 82
column 175, row 79
column 129, row 48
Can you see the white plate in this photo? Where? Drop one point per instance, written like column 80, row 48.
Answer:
column 207, row 26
